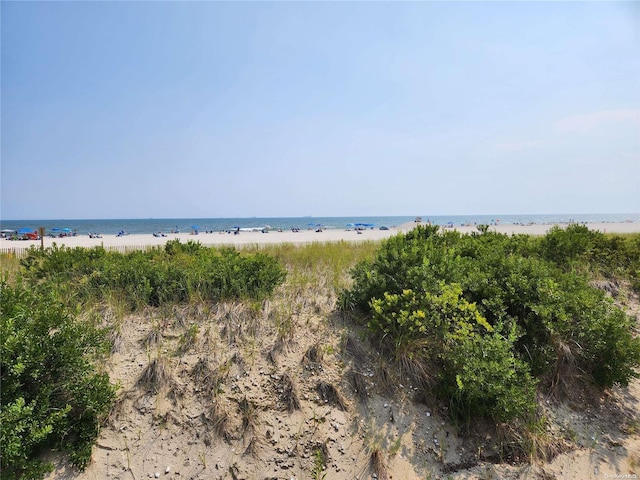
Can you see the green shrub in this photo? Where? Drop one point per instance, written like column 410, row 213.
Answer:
column 482, row 377
column 532, row 293
column 565, row 245
column 52, row 396
column 476, row 369
column 588, row 251
column 156, row 276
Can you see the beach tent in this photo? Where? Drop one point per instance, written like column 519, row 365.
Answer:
column 361, row 226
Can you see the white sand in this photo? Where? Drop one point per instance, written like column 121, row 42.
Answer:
column 301, row 237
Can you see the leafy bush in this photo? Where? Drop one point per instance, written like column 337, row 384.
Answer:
column 578, row 248
column 475, row 366
column 482, row 377
column 565, row 245
column 52, row 396
column 157, row 276
column 541, row 321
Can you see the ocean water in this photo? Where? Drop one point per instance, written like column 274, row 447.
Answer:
column 150, row 225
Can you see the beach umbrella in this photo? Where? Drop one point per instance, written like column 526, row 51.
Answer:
column 66, row 230
column 55, row 229
column 24, row 230
column 195, row 227
column 7, row 230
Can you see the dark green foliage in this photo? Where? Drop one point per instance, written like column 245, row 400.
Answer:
column 565, row 245
column 477, row 370
column 578, row 248
column 52, row 395
column 174, row 274
column 482, row 377
column 426, row 294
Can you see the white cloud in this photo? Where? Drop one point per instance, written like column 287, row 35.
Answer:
column 590, row 122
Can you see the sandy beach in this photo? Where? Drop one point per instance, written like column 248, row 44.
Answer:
column 300, row 237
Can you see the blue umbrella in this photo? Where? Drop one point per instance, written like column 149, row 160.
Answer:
column 66, row 229
column 55, row 229
column 24, row 230
column 195, row 227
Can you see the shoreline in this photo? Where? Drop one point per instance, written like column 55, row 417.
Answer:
column 297, row 238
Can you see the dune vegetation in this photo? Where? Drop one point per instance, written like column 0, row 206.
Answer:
column 483, row 327
column 485, row 322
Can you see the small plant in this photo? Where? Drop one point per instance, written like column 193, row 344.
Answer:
column 312, row 358
column 289, row 393
column 188, row 339
column 379, row 464
column 359, row 384
column 631, row 426
column 156, row 375
column 329, row 349
column 116, row 339
column 234, row 470
column 126, row 448
column 320, row 455
column 203, row 458
column 354, row 349
column 285, row 326
column 208, row 379
column 395, row 446
column 317, row 420
column 252, row 446
column 153, row 338
column 220, row 421
column 330, row 394
column 248, row 414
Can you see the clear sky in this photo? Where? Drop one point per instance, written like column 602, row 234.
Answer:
column 241, row 109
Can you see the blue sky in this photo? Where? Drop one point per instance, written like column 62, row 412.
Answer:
column 238, row 109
